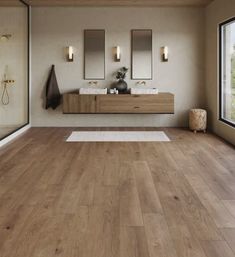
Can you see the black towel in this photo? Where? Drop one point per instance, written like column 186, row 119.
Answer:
column 53, row 96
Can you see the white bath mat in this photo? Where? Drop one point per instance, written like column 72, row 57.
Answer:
column 118, row 136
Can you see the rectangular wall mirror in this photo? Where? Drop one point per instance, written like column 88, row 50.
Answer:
column 141, row 54
column 94, row 54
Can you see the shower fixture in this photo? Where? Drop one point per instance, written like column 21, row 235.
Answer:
column 5, row 37
column 5, row 95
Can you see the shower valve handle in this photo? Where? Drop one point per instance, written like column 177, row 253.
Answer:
column 9, row 81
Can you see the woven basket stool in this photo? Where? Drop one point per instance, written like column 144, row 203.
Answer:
column 198, row 120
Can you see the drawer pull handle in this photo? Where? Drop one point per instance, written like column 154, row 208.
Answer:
column 136, row 107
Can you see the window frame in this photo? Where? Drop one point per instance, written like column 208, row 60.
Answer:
column 221, row 65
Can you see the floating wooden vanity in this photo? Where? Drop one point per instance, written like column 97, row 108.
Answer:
column 162, row 103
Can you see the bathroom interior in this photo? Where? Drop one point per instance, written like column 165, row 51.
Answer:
column 117, row 128
column 170, row 59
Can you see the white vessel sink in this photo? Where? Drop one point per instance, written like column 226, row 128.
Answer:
column 144, row 91
column 93, row 91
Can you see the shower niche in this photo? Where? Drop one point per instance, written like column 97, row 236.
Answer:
column 14, row 68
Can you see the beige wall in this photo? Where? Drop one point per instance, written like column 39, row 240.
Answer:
column 181, row 29
column 13, row 54
column 216, row 13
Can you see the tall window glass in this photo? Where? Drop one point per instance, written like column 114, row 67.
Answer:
column 227, row 72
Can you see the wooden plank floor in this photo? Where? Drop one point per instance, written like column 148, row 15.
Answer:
column 172, row 199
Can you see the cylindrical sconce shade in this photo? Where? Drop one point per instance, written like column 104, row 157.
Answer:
column 70, row 54
column 165, row 54
column 118, row 54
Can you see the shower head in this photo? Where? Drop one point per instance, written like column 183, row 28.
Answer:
column 5, row 37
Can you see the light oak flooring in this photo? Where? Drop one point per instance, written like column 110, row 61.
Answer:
column 171, row 199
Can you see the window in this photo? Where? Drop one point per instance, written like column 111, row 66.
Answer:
column 227, row 72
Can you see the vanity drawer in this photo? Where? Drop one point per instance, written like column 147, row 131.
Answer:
column 160, row 103
column 75, row 103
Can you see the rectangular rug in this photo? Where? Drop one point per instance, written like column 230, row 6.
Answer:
column 118, row 136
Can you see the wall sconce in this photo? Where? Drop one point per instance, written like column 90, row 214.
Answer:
column 118, row 54
column 165, row 54
column 70, row 54
column 5, row 37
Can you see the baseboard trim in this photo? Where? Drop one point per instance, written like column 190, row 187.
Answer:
column 14, row 135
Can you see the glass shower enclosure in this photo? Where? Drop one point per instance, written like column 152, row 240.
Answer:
column 14, row 67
